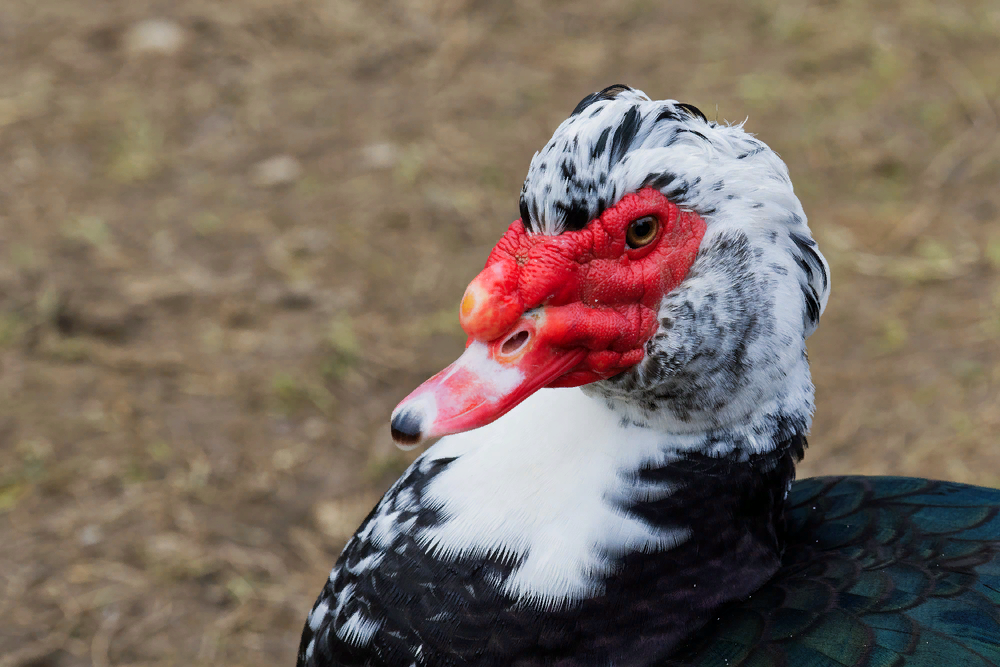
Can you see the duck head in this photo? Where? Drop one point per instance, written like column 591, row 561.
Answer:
column 660, row 258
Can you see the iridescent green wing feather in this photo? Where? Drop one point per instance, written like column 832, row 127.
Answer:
column 880, row 571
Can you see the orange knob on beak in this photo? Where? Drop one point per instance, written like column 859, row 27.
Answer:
column 491, row 303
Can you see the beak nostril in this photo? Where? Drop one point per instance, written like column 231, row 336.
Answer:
column 514, row 343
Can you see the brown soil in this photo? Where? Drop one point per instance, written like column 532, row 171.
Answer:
column 201, row 340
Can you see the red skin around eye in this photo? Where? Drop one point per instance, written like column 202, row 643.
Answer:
column 616, row 289
column 583, row 303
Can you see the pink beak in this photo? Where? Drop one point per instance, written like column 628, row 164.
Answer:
column 487, row 381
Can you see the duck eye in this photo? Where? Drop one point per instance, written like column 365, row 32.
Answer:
column 642, row 231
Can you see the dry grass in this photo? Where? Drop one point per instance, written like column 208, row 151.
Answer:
column 198, row 352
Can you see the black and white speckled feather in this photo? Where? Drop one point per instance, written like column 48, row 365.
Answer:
column 738, row 323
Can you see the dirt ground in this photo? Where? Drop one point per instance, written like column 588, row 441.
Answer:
column 232, row 239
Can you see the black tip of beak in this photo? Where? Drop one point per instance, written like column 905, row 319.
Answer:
column 405, row 427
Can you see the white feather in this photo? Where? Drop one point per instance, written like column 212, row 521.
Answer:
column 540, row 484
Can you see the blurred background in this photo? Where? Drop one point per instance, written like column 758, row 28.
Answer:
column 234, row 234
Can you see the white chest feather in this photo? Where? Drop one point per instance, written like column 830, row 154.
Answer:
column 545, row 485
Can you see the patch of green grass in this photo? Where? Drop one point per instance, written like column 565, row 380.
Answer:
column 962, row 423
column 992, row 252
column 309, row 185
column 12, row 329
column 159, row 451
column 968, row 372
column 443, row 321
column 88, row 229
column 492, row 176
column 934, row 115
column 68, row 350
column 409, row 167
column 763, row 90
column 344, row 348
column 894, row 335
column 10, row 494
column 206, row 223
column 48, row 304
column 934, row 261
column 792, row 28
column 137, row 153
column 925, row 395
column 990, row 324
column 135, row 473
column 23, row 256
column 288, row 391
column 293, row 395
column 13, row 487
column 886, row 65
column 934, row 251
column 240, row 588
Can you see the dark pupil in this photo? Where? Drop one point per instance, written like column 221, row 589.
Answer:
column 641, row 228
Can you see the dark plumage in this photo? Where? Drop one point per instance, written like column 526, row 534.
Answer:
column 886, row 571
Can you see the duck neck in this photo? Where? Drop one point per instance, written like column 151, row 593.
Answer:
column 564, row 530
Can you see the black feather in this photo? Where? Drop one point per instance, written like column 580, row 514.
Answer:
column 692, row 111
column 625, row 134
column 667, row 113
column 600, row 144
column 576, row 215
column 807, row 247
column 659, row 181
column 608, row 93
column 525, row 215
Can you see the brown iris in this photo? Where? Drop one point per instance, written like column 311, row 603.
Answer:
column 642, row 231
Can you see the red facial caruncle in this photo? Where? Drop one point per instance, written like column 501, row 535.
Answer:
column 557, row 311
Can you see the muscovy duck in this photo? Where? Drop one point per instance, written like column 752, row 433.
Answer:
column 616, row 484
